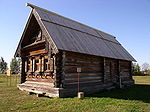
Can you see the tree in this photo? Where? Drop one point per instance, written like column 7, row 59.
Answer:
column 136, row 69
column 3, row 65
column 15, row 65
column 133, row 68
column 146, row 68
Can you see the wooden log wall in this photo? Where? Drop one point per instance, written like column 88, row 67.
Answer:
column 111, row 71
column 91, row 70
column 94, row 70
column 125, row 70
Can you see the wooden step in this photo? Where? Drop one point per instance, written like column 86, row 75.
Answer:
column 39, row 89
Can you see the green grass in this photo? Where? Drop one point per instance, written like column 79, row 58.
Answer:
column 142, row 80
column 12, row 80
column 132, row 99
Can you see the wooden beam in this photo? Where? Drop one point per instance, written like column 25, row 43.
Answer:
column 63, row 67
column 55, row 72
column 118, row 63
column 51, row 64
column 33, row 67
column 26, row 65
column 104, row 67
column 40, row 64
column 42, row 69
column 130, row 69
column 23, row 74
column 37, row 52
column 85, row 82
column 34, row 45
column 30, row 64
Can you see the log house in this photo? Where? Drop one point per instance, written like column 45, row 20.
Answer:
column 52, row 47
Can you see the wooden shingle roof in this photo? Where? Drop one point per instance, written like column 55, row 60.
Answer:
column 73, row 36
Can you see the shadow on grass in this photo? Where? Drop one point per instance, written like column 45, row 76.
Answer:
column 2, row 82
column 136, row 92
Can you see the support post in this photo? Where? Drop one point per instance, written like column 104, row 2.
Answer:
column 118, row 70
column 30, row 64
column 130, row 70
column 26, row 66
column 104, row 67
column 42, row 69
column 56, row 83
column 63, row 68
column 119, row 75
column 33, row 67
column 39, row 64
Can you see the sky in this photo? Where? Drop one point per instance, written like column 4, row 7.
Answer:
column 127, row 20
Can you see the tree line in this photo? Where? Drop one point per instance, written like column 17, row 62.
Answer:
column 144, row 69
column 14, row 65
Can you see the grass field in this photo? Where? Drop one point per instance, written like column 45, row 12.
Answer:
column 132, row 99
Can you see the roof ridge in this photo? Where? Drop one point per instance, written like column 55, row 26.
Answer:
column 34, row 6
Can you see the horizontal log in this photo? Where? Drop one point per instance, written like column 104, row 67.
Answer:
column 82, row 74
column 83, row 69
column 82, row 80
column 73, row 72
column 71, row 56
column 34, row 45
column 94, row 66
column 124, row 74
column 39, row 80
column 37, row 52
column 82, row 63
column 87, row 85
column 85, row 82
column 125, row 70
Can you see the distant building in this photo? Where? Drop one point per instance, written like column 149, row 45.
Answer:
column 52, row 47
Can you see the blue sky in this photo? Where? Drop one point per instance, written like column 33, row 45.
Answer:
column 128, row 20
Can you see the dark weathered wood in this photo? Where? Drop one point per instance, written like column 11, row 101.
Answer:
column 56, row 79
column 130, row 70
column 87, row 84
column 104, row 71
column 23, row 74
column 118, row 69
column 63, row 68
column 91, row 69
column 83, row 78
column 83, row 74
column 84, row 82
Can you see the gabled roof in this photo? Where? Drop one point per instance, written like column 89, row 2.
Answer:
column 73, row 36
